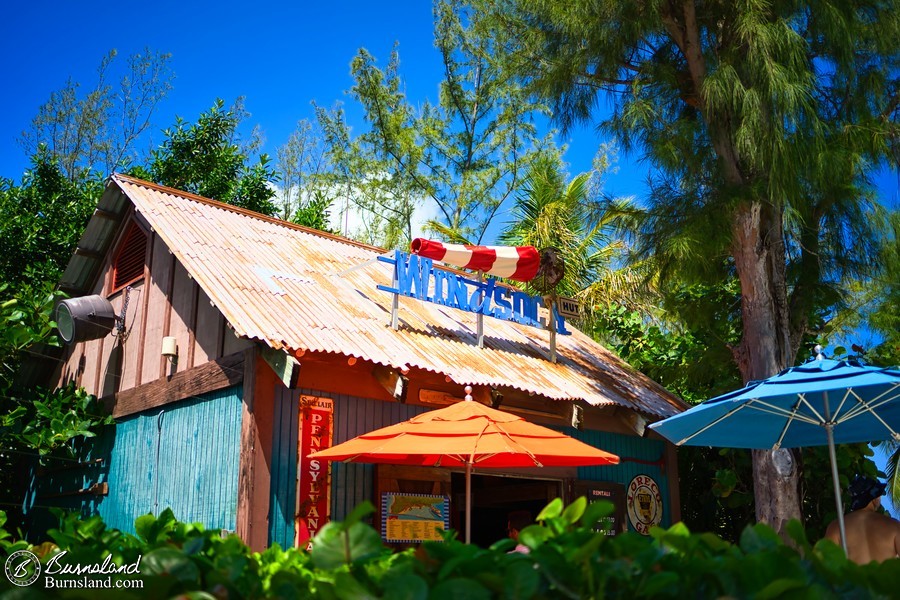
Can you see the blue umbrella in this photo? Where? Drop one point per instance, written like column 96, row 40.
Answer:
column 823, row 402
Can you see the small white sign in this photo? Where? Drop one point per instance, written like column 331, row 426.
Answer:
column 568, row 308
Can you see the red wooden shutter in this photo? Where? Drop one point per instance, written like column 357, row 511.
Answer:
column 129, row 263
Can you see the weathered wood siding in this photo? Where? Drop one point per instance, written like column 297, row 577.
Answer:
column 57, row 484
column 167, row 302
column 350, row 483
column 283, row 485
column 183, row 457
column 353, row 483
column 638, row 456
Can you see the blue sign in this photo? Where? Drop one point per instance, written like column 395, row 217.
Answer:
column 416, row 277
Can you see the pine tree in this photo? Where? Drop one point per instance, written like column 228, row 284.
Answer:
column 762, row 120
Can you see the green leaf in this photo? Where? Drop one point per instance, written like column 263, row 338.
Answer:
column 551, row 511
column 16, row 413
column 658, row 583
column 759, row 538
column 336, row 545
column 459, row 589
column 194, row 545
column 346, row 587
column 361, row 511
column 574, row 511
column 169, row 561
column 797, row 532
column 521, row 580
column 596, row 511
column 146, row 527
column 780, row 588
column 534, row 535
column 404, row 586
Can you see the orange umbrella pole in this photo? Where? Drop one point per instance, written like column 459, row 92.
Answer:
column 469, row 461
column 468, row 502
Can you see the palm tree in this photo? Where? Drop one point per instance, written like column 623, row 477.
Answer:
column 549, row 213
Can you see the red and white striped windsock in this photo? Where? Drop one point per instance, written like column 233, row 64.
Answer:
column 513, row 262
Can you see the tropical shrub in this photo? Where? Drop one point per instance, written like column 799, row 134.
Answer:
column 569, row 558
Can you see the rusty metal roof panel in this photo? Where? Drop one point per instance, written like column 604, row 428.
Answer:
column 293, row 288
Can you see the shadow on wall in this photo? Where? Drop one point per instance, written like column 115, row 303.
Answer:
column 77, row 483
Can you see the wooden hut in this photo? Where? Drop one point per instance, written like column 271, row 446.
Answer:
column 242, row 342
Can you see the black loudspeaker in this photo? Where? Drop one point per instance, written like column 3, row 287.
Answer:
column 85, row 318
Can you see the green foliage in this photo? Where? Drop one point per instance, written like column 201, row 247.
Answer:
column 550, row 213
column 35, row 423
column 46, row 421
column 97, row 131
column 763, row 123
column 461, row 156
column 42, row 220
column 37, row 420
column 25, row 319
column 568, row 558
column 884, row 294
column 693, row 362
column 314, row 212
column 308, row 188
column 819, row 507
column 206, row 158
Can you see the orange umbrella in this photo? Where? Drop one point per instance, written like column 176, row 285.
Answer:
column 467, row 434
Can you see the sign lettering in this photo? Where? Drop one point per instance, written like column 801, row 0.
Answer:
column 416, row 277
column 644, row 504
column 568, row 307
column 314, row 481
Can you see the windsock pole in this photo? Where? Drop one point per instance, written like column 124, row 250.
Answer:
column 480, row 316
column 553, row 328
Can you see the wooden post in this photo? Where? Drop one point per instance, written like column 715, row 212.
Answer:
column 480, row 315
column 254, row 472
column 553, row 328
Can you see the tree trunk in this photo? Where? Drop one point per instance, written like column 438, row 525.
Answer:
column 758, row 251
column 776, row 484
column 759, row 255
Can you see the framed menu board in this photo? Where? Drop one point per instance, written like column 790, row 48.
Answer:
column 414, row 517
column 611, row 492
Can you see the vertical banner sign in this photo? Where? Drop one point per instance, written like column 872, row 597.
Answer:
column 313, row 476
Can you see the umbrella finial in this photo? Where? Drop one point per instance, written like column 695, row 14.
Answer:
column 818, row 350
column 468, row 390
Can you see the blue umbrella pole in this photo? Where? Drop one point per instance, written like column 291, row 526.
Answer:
column 837, row 487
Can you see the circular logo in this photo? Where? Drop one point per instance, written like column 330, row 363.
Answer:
column 22, row 568
column 644, row 504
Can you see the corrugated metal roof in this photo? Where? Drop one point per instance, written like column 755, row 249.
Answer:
column 290, row 288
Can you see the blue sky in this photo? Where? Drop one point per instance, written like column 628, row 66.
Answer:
column 281, row 57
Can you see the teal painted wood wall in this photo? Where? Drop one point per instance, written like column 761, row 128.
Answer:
column 283, row 478
column 51, row 485
column 186, row 459
column 350, row 483
column 634, row 453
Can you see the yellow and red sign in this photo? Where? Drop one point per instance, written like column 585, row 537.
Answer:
column 644, row 504
column 314, row 475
